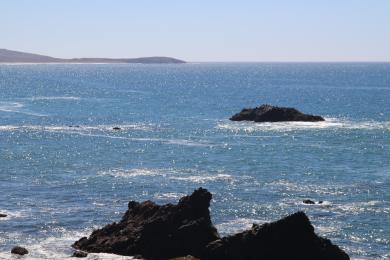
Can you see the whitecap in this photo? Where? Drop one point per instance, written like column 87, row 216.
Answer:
column 17, row 107
column 38, row 98
column 288, row 186
column 57, row 247
column 121, row 173
column 237, row 225
column 204, row 178
column 168, row 195
column 78, row 128
column 329, row 123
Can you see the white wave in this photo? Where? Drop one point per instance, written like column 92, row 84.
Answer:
column 323, row 189
column 204, row 178
column 328, row 229
column 329, row 123
column 106, row 131
column 38, row 98
column 121, row 173
column 182, row 142
column 57, row 247
column 355, row 208
column 17, row 107
column 11, row 214
column 77, row 128
column 186, row 175
column 168, row 195
column 237, row 225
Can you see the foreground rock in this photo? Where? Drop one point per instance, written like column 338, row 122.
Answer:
column 18, row 250
column 157, row 232
column 268, row 113
column 292, row 237
column 185, row 231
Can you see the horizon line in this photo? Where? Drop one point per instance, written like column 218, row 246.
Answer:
column 211, row 61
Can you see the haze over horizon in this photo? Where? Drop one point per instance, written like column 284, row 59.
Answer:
column 199, row 31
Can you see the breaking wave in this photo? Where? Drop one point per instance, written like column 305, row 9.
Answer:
column 329, row 123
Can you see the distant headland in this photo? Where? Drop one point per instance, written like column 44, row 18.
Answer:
column 9, row 56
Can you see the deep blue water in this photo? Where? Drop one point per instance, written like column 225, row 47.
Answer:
column 58, row 182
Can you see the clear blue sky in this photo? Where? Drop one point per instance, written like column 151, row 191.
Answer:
column 200, row 30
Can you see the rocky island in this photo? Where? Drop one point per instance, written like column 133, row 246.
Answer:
column 151, row 231
column 8, row 56
column 268, row 113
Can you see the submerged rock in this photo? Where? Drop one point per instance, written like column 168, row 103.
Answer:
column 18, row 250
column 79, row 254
column 312, row 202
column 3, row 215
column 157, row 232
column 185, row 231
column 116, row 128
column 292, row 237
column 268, row 113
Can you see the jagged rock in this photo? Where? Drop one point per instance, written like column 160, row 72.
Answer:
column 18, row 250
column 292, row 237
column 184, row 231
column 3, row 215
column 79, row 254
column 157, row 232
column 268, row 113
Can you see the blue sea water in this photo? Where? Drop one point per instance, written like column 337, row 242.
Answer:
column 58, row 182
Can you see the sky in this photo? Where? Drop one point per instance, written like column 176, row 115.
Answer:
column 200, row 30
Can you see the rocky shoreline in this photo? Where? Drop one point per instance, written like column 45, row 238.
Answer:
column 185, row 231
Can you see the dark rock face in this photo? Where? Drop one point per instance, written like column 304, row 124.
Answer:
column 185, row 231
column 292, row 237
column 268, row 113
column 189, row 257
column 116, row 128
column 18, row 250
column 3, row 215
column 157, row 232
column 308, row 202
column 79, row 254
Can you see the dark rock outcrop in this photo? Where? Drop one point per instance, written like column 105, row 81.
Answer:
column 312, row 202
column 157, row 232
column 268, row 113
column 185, row 231
column 292, row 237
column 116, row 128
column 18, row 250
column 3, row 215
column 79, row 254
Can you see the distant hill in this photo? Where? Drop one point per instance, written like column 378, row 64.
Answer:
column 8, row 56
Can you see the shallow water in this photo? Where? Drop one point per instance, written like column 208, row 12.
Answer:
column 65, row 171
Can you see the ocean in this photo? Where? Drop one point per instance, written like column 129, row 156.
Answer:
column 64, row 170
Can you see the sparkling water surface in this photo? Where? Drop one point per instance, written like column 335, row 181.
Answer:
column 64, row 171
